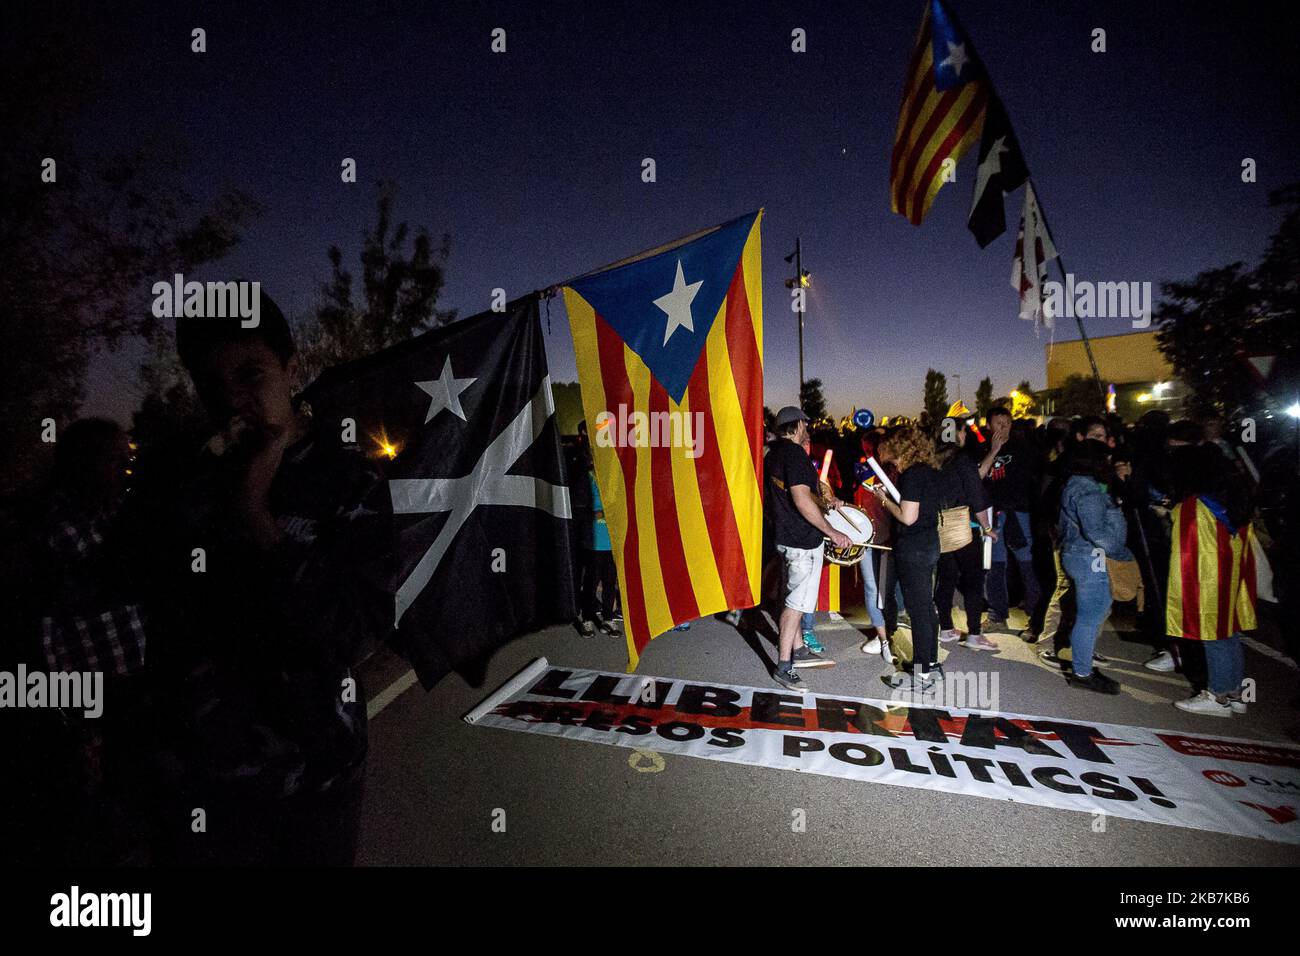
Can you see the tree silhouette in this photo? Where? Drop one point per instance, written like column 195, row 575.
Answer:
column 936, row 395
column 397, row 298
column 811, row 399
column 984, row 397
column 1208, row 322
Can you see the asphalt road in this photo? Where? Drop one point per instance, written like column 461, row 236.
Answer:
column 436, row 785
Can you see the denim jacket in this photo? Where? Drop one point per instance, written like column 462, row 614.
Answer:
column 1089, row 519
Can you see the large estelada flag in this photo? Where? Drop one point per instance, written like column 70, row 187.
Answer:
column 945, row 94
column 1212, row 577
column 478, row 489
column 669, row 348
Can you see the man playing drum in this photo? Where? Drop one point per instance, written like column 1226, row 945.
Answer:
column 798, row 528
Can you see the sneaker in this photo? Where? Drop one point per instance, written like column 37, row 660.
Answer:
column 733, row 618
column 1205, row 703
column 810, row 641
column 790, row 681
column 950, row 635
column 1029, row 636
column 913, row 683
column 871, row 647
column 1096, row 681
column 609, row 626
column 1236, row 703
column 586, row 628
column 1162, row 663
column 806, row 657
column 978, row 642
column 991, row 623
column 683, row 627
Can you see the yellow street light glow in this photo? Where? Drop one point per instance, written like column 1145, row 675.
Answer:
column 386, row 448
column 1144, row 397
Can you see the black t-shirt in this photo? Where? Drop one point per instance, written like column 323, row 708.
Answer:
column 1012, row 480
column 785, row 466
column 921, row 484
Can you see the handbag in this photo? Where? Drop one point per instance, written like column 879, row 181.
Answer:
column 954, row 529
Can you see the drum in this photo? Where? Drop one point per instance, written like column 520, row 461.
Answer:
column 855, row 524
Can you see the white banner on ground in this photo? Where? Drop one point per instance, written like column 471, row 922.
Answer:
column 1242, row 787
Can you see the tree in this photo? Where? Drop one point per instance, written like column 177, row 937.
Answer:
column 1206, row 323
column 984, row 397
column 398, row 295
column 936, row 395
column 812, row 401
column 84, row 246
column 1077, row 395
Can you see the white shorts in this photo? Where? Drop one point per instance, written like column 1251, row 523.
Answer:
column 803, row 577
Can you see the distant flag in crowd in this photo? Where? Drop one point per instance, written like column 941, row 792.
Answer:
column 1034, row 250
column 478, row 489
column 1001, row 170
column 945, row 94
column 669, row 348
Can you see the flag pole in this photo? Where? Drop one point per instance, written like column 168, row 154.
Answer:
column 1087, row 345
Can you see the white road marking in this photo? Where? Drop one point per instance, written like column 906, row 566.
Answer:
column 391, row 693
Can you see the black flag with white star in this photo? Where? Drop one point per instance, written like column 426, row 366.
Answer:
column 480, row 503
column 1001, row 170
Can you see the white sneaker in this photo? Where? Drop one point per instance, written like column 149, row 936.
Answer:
column 871, row 647
column 1204, row 703
column 1162, row 663
column 947, row 637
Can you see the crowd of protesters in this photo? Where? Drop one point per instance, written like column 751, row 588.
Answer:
column 1166, row 514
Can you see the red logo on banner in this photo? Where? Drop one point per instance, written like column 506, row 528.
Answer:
column 1279, row 814
column 1273, row 755
column 1223, row 777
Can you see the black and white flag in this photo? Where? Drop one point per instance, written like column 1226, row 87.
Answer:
column 1001, row 170
column 478, row 489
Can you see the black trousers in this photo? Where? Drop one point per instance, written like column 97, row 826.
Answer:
column 598, row 571
column 916, row 566
column 964, row 566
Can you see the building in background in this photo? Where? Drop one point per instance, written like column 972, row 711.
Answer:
column 1132, row 363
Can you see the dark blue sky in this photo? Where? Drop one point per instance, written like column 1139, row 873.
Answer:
column 531, row 159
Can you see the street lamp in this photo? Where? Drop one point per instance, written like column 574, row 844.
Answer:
column 802, row 279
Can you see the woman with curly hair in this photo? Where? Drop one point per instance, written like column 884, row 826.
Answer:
column 916, row 542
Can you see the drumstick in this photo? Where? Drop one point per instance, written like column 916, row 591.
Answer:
column 826, row 465
column 884, row 480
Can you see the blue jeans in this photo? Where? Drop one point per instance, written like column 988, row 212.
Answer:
column 1223, row 659
column 869, row 591
column 809, row 621
column 1092, row 604
column 996, row 580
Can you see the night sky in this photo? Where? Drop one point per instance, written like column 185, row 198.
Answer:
column 531, row 159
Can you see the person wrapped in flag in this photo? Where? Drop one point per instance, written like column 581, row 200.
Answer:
column 1211, row 590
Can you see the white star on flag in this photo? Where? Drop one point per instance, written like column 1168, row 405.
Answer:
column 677, row 304
column 992, row 165
column 487, row 484
column 957, row 57
column 445, row 391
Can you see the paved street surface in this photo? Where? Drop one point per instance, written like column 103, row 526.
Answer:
column 434, row 782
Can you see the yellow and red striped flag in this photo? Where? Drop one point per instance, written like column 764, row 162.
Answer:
column 669, row 348
column 945, row 95
column 1212, row 582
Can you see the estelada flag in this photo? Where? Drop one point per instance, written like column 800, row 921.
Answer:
column 945, row 94
column 1212, row 577
column 669, row 348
